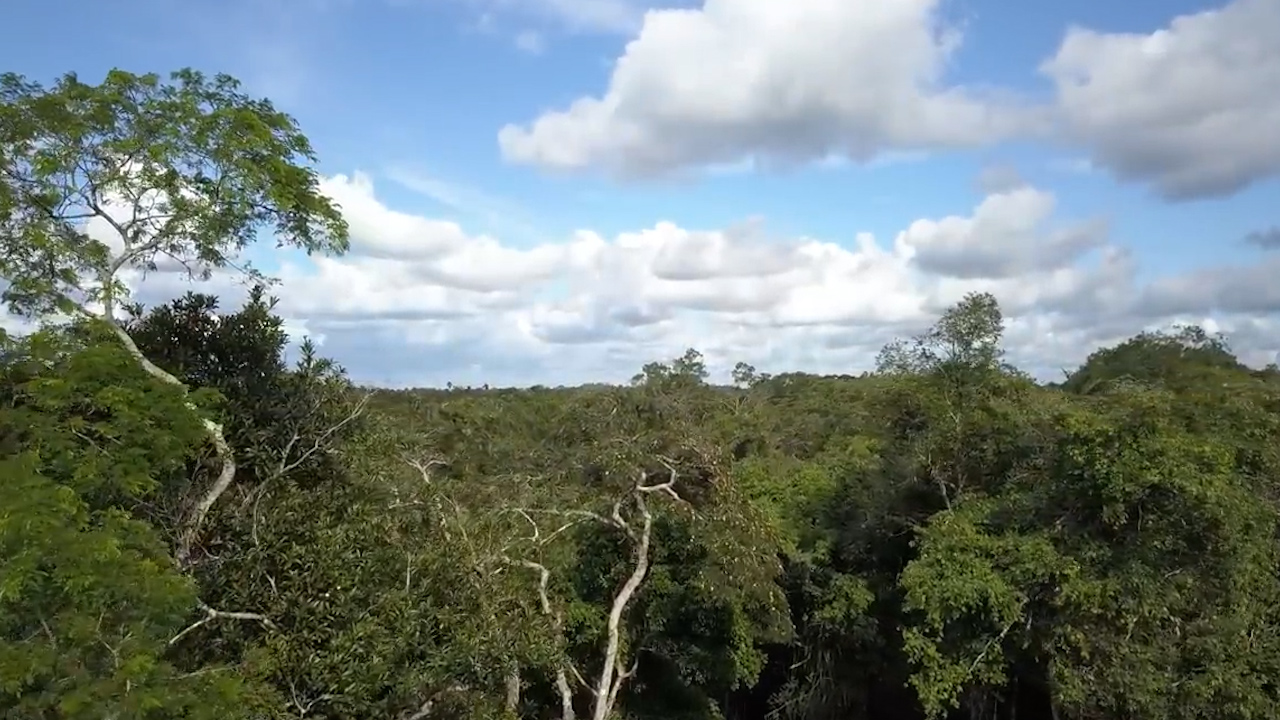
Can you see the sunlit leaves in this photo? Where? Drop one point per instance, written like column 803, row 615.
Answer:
column 88, row 593
column 185, row 172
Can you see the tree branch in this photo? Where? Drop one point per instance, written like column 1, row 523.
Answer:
column 190, row 530
column 613, row 674
column 319, row 443
column 623, row 675
column 544, row 599
column 513, row 691
column 211, row 614
column 607, row 685
column 424, row 467
column 428, row 707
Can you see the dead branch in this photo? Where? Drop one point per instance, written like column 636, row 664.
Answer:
column 513, row 691
column 613, row 674
column 320, row 441
column 544, row 599
column 211, row 614
column 623, row 675
column 304, row 706
column 578, row 676
column 537, row 538
column 424, row 467
column 226, row 475
column 607, row 686
column 668, row 487
column 619, row 522
column 580, row 514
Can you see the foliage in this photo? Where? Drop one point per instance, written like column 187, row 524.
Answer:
column 184, row 173
column 88, row 596
column 944, row 537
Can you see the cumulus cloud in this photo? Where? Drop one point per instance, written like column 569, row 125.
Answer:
column 1191, row 108
column 1246, row 289
column 421, row 301
column 779, row 82
column 1002, row 239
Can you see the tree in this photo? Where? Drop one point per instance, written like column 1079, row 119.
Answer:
column 183, row 175
column 966, row 337
column 1185, row 358
column 688, row 369
column 649, row 576
column 88, row 597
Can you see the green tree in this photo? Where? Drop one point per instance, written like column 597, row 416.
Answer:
column 184, row 174
column 1184, row 359
column 89, row 598
column 353, row 554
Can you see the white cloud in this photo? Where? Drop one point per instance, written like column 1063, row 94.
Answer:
column 1191, row 108
column 379, row 232
column 406, row 307
column 783, row 82
column 1001, row 239
column 999, row 177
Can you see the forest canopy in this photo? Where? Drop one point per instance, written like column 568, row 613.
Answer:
column 198, row 522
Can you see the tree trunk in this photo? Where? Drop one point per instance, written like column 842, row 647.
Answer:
column 606, row 692
column 513, row 692
column 189, row 533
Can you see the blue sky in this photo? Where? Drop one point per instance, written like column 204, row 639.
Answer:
column 414, row 94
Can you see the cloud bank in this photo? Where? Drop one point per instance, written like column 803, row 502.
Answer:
column 1189, row 109
column 420, row 301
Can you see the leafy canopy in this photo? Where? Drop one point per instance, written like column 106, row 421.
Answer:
column 141, row 173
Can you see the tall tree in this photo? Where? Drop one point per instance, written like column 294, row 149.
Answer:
column 179, row 175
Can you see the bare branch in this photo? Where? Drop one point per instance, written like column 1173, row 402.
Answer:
column 544, row 578
column 623, row 675
column 990, row 644
column 513, row 691
column 578, row 676
column 190, row 531
column 211, row 614
column 226, row 475
column 613, row 674
column 668, row 487
column 536, row 533
column 408, row 572
column 620, row 522
column 544, row 599
column 424, row 467
column 607, row 685
column 579, row 514
column 537, row 538
column 566, row 695
column 320, row 442
column 304, row 707
column 563, row 528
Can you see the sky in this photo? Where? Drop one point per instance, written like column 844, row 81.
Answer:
column 559, row 191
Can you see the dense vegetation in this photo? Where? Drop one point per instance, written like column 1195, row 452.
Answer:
column 192, row 527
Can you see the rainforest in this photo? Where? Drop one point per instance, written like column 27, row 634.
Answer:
column 198, row 520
